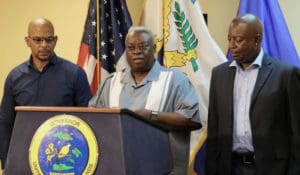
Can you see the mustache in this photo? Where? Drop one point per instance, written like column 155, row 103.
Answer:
column 137, row 57
column 44, row 50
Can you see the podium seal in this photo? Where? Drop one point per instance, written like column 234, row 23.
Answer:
column 63, row 145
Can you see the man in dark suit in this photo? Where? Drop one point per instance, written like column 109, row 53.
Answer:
column 254, row 109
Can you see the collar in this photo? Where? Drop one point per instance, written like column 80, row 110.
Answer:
column 152, row 75
column 53, row 61
column 257, row 62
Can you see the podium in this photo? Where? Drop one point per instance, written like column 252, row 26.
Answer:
column 117, row 142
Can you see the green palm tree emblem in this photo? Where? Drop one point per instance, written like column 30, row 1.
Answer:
column 188, row 38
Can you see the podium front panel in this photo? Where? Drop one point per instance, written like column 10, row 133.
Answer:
column 124, row 143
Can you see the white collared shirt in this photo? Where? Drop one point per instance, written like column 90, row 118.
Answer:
column 244, row 84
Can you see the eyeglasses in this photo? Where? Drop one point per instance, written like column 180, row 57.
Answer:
column 143, row 47
column 39, row 40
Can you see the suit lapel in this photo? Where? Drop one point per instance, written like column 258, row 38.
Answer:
column 262, row 76
column 228, row 87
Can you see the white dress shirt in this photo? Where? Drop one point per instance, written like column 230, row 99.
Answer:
column 243, row 88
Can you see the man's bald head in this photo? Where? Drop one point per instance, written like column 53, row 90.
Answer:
column 245, row 36
column 38, row 23
column 41, row 40
column 254, row 23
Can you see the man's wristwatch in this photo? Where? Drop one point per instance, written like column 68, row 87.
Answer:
column 154, row 115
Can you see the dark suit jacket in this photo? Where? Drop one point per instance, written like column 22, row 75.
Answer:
column 274, row 118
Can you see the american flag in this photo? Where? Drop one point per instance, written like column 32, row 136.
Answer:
column 114, row 24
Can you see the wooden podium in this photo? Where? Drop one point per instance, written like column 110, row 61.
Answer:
column 125, row 144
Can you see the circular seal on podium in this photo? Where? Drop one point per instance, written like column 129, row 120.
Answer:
column 63, row 145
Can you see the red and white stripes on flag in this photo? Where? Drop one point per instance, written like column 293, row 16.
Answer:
column 103, row 44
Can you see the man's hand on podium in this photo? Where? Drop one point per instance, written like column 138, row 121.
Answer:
column 144, row 113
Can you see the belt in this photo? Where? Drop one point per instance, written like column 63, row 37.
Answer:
column 245, row 158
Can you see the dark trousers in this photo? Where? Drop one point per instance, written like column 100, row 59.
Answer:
column 243, row 164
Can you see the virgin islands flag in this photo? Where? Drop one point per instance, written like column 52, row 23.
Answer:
column 183, row 42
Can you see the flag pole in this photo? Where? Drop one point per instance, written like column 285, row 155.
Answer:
column 98, row 66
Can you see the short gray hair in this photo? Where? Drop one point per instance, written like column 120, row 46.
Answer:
column 141, row 29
